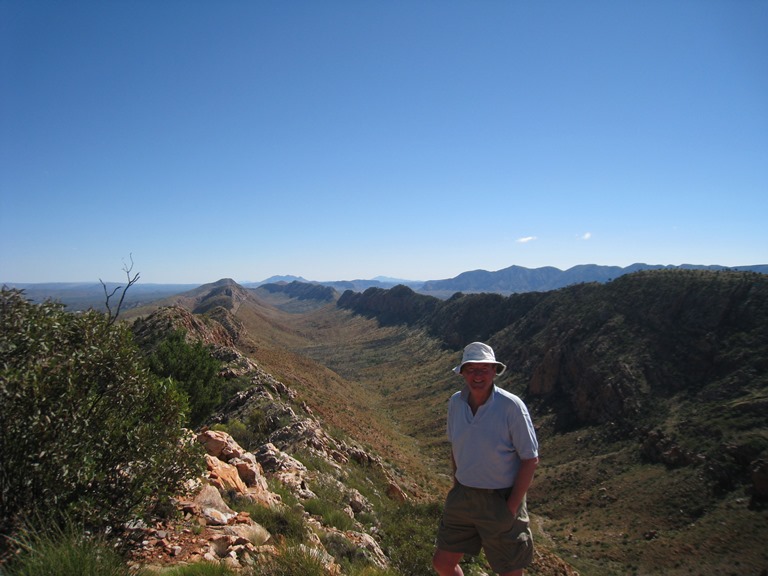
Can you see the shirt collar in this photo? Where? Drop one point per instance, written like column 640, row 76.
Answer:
column 465, row 394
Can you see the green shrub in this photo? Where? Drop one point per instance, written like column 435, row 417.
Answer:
column 409, row 536
column 329, row 504
column 249, row 434
column 368, row 570
column 292, row 561
column 282, row 522
column 86, row 431
column 315, row 462
column 66, row 551
column 330, row 513
column 198, row 569
column 195, row 371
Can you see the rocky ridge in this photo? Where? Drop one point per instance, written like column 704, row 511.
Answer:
column 212, row 530
column 283, row 434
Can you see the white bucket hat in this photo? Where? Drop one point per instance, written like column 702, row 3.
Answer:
column 480, row 353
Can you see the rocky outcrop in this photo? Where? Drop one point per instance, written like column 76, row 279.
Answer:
column 303, row 291
column 286, row 469
column 212, row 506
column 282, row 432
column 398, row 305
column 226, row 294
column 222, row 536
column 222, row 332
column 285, row 430
column 657, row 447
column 233, row 469
column 604, row 353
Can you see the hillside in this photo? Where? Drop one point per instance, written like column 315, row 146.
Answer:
column 311, row 346
column 649, row 394
column 316, row 445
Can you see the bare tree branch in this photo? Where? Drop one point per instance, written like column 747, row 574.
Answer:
column 111, row 318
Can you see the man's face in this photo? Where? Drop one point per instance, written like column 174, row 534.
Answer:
column 478, row 376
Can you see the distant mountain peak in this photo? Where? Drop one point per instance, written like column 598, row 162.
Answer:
column 517, row 279
column 286, row 279
column 390, row 280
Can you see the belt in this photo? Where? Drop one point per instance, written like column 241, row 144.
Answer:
column 506, row 490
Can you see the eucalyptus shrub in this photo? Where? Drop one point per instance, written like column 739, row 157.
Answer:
column 193, row 369
column 86, row 431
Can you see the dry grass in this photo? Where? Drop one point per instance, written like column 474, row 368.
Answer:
column 356, row 376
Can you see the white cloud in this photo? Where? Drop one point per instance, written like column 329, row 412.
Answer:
column 586, row 236
column 526, row 239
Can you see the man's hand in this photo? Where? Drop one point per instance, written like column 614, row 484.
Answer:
column 522, row 483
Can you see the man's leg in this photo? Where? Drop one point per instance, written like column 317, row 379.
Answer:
column 447, row 563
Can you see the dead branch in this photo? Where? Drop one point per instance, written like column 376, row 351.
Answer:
column 111, row 318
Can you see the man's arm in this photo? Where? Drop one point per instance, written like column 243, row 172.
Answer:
column 522, row 483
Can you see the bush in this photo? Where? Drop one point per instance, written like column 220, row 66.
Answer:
column 86, row 431
column 291, row 561
column 64, row 552
column 368, row 570
column 249, row 434
column 197, row 569
column 194, row 370
column 282, row 522
column 329, row 504
column 329, row 513
column 409, row 536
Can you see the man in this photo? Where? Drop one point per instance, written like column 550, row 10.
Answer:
column 495, row 453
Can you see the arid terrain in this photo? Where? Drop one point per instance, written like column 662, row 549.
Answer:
column 649, row 398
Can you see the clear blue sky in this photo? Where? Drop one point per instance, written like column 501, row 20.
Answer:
column 350, row 139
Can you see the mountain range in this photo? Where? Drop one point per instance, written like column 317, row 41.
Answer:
column 511, row 280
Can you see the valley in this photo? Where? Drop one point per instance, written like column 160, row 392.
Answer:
column 648, row 394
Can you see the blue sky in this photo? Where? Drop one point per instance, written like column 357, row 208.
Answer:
column 351, row 139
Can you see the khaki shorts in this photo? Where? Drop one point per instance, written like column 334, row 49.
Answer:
column 476, row 518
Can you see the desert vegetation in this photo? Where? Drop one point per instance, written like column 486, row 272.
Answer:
column 87, row 433
column 648, row 393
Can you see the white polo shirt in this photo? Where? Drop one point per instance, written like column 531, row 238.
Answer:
column 489, row 445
